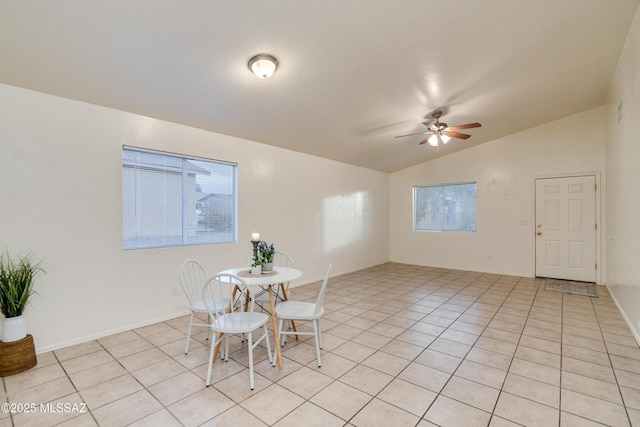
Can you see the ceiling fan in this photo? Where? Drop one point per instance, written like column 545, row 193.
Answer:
column 441, row 132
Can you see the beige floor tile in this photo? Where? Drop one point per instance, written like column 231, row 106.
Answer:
column 127, row 410
column 341, row 400
column 424, row 376
column 333, row 365
column 570, row 420
column 525, row 412
column 143, row 359
column 33, row 377
column 531, row 389
column 593, row 409
column 272, row 403
column 489, row 358
column 231, row 416
column 86, row 361
column 377, row 410
column 438, row 360
column 496, row 346
column 536, row 371
column 407, row 339
column 450, row 347
column 407, row 396
column 109, row 391
column 305, row 382
column 176, row 388
column 310, row 415
column 161, row 418
column 371, row 339
column 200, row 407
column 472, row 393
column 625, row 364
column 158, row 372
column 123, row 349
column 550, row 360
column 447, row 412
column 385, row 362
column 591, row 370
column 45, row 392
column 353, row 351
column 592, row 387
column 482, row 374
column 366, row 379
column 77, row 350
column 55, row 415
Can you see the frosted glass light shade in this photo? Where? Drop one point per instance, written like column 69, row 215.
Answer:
column 433, row 139
column 263, row 65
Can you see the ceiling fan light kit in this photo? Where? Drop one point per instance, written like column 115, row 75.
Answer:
column 441, row 132
column 263, row 65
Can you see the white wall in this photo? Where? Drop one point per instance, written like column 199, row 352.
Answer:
column 623, row 182
column 504, row 170
column 60, row 186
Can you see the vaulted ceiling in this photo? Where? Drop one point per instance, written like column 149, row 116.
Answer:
column 352, row 74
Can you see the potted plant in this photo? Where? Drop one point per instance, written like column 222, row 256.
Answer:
column 266, row 252
column 16, row 287
column 256, row 266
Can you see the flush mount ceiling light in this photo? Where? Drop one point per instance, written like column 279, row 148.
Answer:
column 263, row 65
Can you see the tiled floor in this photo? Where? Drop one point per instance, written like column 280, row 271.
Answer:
column 404, row 346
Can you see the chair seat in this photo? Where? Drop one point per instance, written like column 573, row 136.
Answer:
column 298, row 310
column 239, row 322
column 201, row 306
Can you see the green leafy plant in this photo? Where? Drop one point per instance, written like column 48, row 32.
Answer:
column 16, row 283
column 266, row 251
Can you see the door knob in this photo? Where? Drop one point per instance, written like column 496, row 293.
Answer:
column 539, row 225
column 539, row 233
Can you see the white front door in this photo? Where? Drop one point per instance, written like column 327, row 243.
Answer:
column 566, row 228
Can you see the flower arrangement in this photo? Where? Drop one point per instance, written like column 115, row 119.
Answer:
column 266, row 252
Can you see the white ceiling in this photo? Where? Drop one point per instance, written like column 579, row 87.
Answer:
column 353, row 73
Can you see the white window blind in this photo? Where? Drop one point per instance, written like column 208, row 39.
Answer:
column 449, row 207
column 173, row 200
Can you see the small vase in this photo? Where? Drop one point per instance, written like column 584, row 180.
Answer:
column 13, row 329
column 267, row 267
column 257, row 270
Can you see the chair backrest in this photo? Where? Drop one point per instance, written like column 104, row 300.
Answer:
column 218, row 290
column 192, row 278
column 280, row 259
column 323, row 289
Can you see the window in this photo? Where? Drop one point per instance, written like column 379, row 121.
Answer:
column 171, row 200
column 450, row 207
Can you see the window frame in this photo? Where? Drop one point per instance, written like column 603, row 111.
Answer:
column 443, row 228
column 182, row 240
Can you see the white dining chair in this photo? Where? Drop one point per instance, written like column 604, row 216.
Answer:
column 192, row 278
column 236, row 318
column 280, row 259
column 304, row 311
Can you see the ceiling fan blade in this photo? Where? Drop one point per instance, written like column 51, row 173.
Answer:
column 455, row 134
column 432, row 126
column 424, row 141
column 467, row 126
column 412, row 134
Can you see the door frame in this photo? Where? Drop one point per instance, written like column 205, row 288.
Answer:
column 599, row 232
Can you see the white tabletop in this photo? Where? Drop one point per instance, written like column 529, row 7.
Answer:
column 283, row 274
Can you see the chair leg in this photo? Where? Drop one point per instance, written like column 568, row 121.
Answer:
column 319, row 333
column 208, row 383
column 250, row 349
column 266, row 337
column 316, row 330
column 186, row 347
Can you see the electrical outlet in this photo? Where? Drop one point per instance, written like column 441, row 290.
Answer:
column 176, row 290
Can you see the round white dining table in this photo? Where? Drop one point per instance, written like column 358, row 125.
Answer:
column 279, row 276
